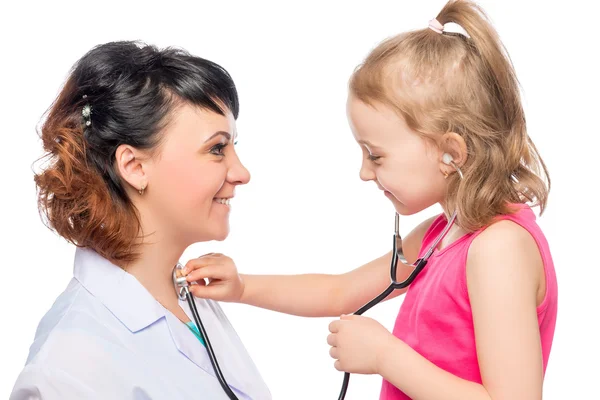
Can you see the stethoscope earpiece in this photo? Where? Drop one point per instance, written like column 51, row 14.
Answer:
column 447, row 159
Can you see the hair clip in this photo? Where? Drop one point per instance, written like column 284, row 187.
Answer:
column 86, row 112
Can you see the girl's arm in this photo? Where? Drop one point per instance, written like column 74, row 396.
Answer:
column 321, row 295
column 505, row 279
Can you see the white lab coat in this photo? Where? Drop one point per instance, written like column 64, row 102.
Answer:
column 106, row 337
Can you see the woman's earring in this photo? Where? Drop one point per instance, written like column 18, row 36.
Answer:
column 445, row 175
column 141, row 191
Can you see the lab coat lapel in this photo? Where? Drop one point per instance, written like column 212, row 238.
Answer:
column 187, row 343
column 228, row 354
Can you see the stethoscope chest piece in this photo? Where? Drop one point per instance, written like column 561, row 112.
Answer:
column 180, row 282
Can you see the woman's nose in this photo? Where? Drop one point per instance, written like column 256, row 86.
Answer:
column 238, row 174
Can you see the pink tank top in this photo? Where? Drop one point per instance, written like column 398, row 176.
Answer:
column 435, row 318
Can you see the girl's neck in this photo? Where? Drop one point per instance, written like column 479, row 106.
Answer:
column 455, row 232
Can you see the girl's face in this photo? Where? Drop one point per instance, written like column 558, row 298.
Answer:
column 403, row 164
column 193, row 176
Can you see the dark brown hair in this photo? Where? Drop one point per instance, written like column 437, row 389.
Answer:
column 130, row 89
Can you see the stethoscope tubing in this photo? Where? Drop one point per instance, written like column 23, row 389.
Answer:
column 395, row 285
column 211, row 353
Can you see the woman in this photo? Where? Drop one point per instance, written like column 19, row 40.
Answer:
column 142, row 165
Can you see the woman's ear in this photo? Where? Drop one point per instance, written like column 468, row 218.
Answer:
column 130, row 163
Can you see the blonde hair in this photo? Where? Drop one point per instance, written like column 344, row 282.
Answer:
column 453, row 83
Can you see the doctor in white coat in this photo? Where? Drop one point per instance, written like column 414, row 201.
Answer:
column 142, row 165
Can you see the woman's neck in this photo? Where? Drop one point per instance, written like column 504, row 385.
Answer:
column 158, row 251
column 153, row 269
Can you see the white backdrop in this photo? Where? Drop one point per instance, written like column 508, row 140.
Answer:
column 305, row 209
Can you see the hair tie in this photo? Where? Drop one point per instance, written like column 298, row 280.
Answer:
column 435, row 26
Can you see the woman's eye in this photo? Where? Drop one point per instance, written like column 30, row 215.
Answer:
column 373, row 157
column 218, row 149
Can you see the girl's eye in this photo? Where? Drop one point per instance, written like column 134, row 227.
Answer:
column 373, row 157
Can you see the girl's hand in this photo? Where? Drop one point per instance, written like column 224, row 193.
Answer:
column 357, row 344
column 223, row 283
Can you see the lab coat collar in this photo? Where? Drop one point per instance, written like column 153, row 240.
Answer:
column 124, row 296
column 129, row 301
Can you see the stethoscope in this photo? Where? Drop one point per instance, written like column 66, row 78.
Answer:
column 184, row 294
column 418, row 266
column 398, row 254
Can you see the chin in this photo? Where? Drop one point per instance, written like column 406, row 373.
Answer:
column 219, row 236
column 404, row 210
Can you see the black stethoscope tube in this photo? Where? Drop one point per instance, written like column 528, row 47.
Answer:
column 211, row 352
column 183, row 292
column 395, row 285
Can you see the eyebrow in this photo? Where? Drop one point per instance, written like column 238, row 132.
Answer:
column 367, row 143
column 227, row 135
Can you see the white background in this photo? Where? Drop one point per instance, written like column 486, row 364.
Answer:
column 305, row 209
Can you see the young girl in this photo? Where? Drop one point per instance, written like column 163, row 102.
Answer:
column 439, row 120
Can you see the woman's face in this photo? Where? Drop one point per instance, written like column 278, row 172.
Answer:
column 192, row 177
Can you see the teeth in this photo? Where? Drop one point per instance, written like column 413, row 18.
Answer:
column 223, row 201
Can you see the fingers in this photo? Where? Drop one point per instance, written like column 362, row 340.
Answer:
column 332, row 340
column 198, row 263
column 212, row 266
column 201, row 282
column 338, row 365
column 333, row 352
column 207, row 259
column 211, row 255
column 208, row 292
column 216, row 255
column 334, row 327
column 211, row 272
column 216, row 277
